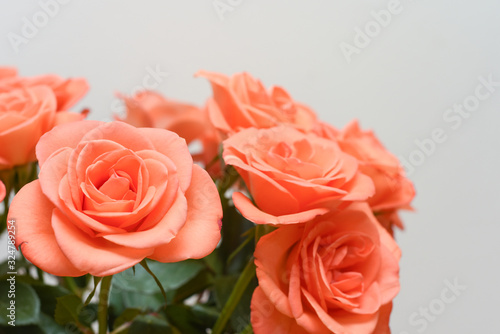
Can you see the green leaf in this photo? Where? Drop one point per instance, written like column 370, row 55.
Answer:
column 29, row 329
column 247, row 330
column 87, row 314
column 214, row 262
column 45, row 325
column 222, row 289
column 126, row 316
column 49, row 326
column 150, row 324
column 182, row 318
column 205, row 314
column 48, row 297
column 234, row 230
column 140, row 290
column 171, row 275
column 67, row 309
column 23, row 298
column 200, row 282
column 144, row 264
column 123, row 299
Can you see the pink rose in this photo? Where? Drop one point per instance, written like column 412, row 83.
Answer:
column 292, row 176
column 241, row 102
column 66, row 91
column 25, row 115
column 335, row 274
column 7, row 72
column 151, row 109
column 393, row 191
column 110, row 195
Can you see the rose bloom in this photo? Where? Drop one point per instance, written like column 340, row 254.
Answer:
column 292, row 176
column 66, row 91
column 25, row 115
column 241, row 102
column 151, row 109
column 7, row 72
column 2, row 191
column 110, row 195
column 393, row 190
column 325, row 130
column 336, row 274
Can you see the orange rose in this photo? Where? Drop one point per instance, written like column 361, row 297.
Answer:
column 67, row 91
column 336, row 274
column 241, row 102
column 110, row 195
column 2, row 191
column 25, row 115
column 7, row 72
column 325, row 130
column 292, row 176
column 151, row 109
column 393, row 190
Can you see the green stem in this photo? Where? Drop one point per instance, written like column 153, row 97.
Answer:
column 70, row 282
column 97, row 280
column 144, row 264
column 102, row 309
column 212, row 162
column 230, row 177
column 239, row 288
column 39, row 272
column 240, row 247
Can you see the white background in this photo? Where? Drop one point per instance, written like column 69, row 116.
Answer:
column 427, row 59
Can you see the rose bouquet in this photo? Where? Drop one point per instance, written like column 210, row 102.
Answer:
column 246, row 215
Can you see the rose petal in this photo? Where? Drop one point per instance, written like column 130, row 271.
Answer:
column 229, row 106
column 96, row 256
column 70, row 91
column 32, row 213
column 201, row 234
column 64, row 117
column 2, row 191
column 166, row 229
column 383, row 319
column 337, row 322
column 269, row 195
column 7, row 72
column 175, row 148
column 121, row 133
column 359, row 188
column 216, row 117
column 279, row 243
column 68, row 135
column 265, row 318
column 52, row 172
column 252, row 213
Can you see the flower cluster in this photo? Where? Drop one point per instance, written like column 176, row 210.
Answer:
column 31, row 106
column 153, row 186
column 330, row 266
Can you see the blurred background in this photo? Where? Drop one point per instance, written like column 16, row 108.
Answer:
column 424, row 75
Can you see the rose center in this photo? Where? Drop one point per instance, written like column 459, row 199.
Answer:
column 117, row 187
